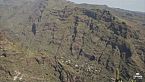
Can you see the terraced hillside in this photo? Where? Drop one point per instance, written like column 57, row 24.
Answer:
column 45, row 41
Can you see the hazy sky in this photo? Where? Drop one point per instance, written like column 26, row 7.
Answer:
column 135, row 5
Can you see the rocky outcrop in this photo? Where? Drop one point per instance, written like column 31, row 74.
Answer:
column 119, row 29
column 65, row 75
column 90, row 57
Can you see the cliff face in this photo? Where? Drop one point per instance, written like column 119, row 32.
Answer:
column 43, row 40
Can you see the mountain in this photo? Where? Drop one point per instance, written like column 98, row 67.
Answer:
column 61, row 41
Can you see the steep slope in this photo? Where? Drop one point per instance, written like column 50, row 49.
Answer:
column 43, row 40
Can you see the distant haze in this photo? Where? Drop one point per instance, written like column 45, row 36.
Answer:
column 134, row 5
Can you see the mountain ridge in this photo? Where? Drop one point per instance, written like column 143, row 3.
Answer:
column 48, row 41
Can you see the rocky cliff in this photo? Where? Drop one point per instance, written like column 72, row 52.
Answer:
column 45, row 41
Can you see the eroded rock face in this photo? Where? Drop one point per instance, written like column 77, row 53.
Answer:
column 119, row 29
column 78, row 45
column 113, row 45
